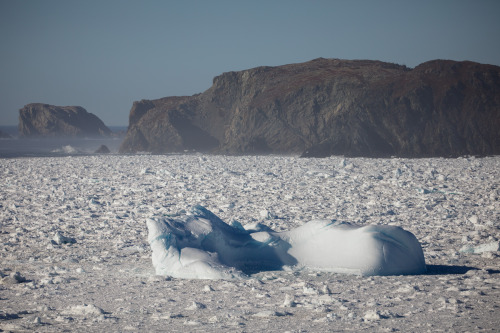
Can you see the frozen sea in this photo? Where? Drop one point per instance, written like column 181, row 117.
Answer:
column 74, row 251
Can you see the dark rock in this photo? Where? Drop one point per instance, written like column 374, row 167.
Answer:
column 102, row 150
column 4, row 135
column 330, row 107
column 49, row 121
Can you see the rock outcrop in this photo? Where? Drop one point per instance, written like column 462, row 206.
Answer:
column 49, row 121
column 330, row 107
column 103, row 149
column 4, row 135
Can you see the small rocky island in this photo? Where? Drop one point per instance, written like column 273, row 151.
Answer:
column 330, row 107
column 4, row 135
column 43, row 120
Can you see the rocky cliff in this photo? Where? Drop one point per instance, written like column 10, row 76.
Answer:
column 330, row 107
column 48, row 120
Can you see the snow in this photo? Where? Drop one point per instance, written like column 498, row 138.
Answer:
column 200, row 245
column 105, row 281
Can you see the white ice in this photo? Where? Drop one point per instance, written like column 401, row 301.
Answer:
column 68, row 149
column 104, row 281
column 200, row 245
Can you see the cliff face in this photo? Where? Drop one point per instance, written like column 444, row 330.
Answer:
column 48, row 121
column 330, row 107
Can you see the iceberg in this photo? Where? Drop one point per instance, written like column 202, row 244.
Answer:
column 199, row 245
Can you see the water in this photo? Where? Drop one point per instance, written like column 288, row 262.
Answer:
column 41, row 147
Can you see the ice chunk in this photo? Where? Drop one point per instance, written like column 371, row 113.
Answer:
column 289, row 302
column 200, row 245
column 84, row 310
column 13, row 278
column 59, row 239
column 179, row 249
column 372, row 315
column 488, row 247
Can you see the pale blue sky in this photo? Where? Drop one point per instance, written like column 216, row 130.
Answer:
column 104, row 54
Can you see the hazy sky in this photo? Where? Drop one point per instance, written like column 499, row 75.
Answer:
column 103, row 54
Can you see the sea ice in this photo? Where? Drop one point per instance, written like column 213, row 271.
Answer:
column 59, row 239
column 488, row 247
column 200, row 245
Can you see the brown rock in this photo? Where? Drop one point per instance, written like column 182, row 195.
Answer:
column 330, row 107
column 103, row 149
column 49, row 121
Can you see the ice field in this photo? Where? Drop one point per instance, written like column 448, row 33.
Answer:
column 75, row 250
